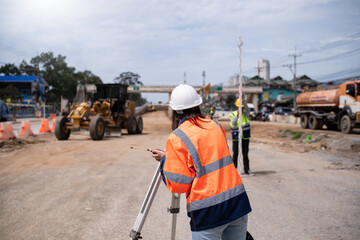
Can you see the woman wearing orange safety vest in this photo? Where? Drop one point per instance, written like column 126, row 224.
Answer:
column 197, row 162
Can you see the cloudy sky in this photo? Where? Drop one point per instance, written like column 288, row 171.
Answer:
column 162, row 39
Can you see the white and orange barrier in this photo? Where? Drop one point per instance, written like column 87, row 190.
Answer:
column 23, row 132
column 25, row 129
column 3, row 135
column 44, row 126
column 6, row 131
column 28, row 128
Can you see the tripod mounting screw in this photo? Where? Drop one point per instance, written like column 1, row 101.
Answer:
column 173, row 210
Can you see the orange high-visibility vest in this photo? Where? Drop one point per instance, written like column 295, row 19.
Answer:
column 197, row 162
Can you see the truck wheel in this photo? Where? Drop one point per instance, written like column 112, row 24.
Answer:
column 313, row 122
column 139, row 126
column 345, row 124
column 304, row 121
column 131, row 125
column 61, row 132
column 97, row 128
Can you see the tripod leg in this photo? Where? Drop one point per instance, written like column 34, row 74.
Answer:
column 174, row 209
column 144, row 210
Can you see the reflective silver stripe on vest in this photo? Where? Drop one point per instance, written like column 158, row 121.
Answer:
column 214, row 166
column 233, row 120
column 234, row 129
column 216, row 199
column 191, row 149
column 177, row 178
column 246, row 127
column 201, row 170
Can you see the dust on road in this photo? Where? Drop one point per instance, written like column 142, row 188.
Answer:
column 84, row 189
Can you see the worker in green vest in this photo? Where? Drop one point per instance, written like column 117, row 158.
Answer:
column 234, row 127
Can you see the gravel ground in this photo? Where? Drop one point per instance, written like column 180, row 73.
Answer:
column 84, row 189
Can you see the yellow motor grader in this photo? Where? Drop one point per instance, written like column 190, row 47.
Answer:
column 110, row 111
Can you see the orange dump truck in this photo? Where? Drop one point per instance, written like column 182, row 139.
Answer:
column 337, row 108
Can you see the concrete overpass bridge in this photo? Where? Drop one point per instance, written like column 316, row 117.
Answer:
column 251, row 92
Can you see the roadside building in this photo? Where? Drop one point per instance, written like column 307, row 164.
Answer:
column 30, row 89
column 279, row 92
column 305, row 83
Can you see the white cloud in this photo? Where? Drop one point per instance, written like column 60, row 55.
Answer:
column 161, row 39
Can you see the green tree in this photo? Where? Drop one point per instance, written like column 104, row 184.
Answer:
column 10, row 69
column 61, row 78
column 11, row 92
column 27, row 69
column 89, row 76
column 130, row 78
column 230, row 101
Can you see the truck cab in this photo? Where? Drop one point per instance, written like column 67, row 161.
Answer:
column 337, row 108
column 350, row 99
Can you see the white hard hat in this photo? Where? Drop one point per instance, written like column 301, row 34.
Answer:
column 184, row 97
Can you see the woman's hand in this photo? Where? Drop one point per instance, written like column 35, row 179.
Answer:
column 157, row 154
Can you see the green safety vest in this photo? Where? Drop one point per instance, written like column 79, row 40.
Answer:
column 245, row 123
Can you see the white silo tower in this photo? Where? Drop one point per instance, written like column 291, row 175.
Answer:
column 264, row 69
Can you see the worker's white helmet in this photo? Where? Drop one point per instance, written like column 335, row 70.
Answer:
column 184, row 97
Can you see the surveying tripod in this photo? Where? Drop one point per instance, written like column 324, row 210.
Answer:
column 145, row 207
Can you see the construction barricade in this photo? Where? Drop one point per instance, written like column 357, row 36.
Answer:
column 28, row 128
column 6, row 131
column 25, row 129
column 44, row 126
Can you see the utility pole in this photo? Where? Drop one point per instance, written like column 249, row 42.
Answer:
column 240, row 106
column 294, row 55
column 38, row 93
column 85, row 82
column 203, row 83
column 37, row 83
column 184, row 77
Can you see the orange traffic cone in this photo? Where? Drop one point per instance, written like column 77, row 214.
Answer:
column 23, row 131
column 53, row 124
column 44, row 126
column 28, row 129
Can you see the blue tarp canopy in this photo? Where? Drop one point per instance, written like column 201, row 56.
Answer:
column 10, row 79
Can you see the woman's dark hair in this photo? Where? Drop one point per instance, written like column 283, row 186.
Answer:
column 192, row 114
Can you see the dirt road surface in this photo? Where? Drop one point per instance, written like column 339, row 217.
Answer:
column 84, row 189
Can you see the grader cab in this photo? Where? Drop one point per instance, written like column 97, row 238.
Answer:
column 110, row 111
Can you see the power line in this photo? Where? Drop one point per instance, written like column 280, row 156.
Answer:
column 338, row 74
column 331, row 45
column 338, row 43
column 341, row 80
column 280, row 60
column 345, row 54
column 350, row 39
